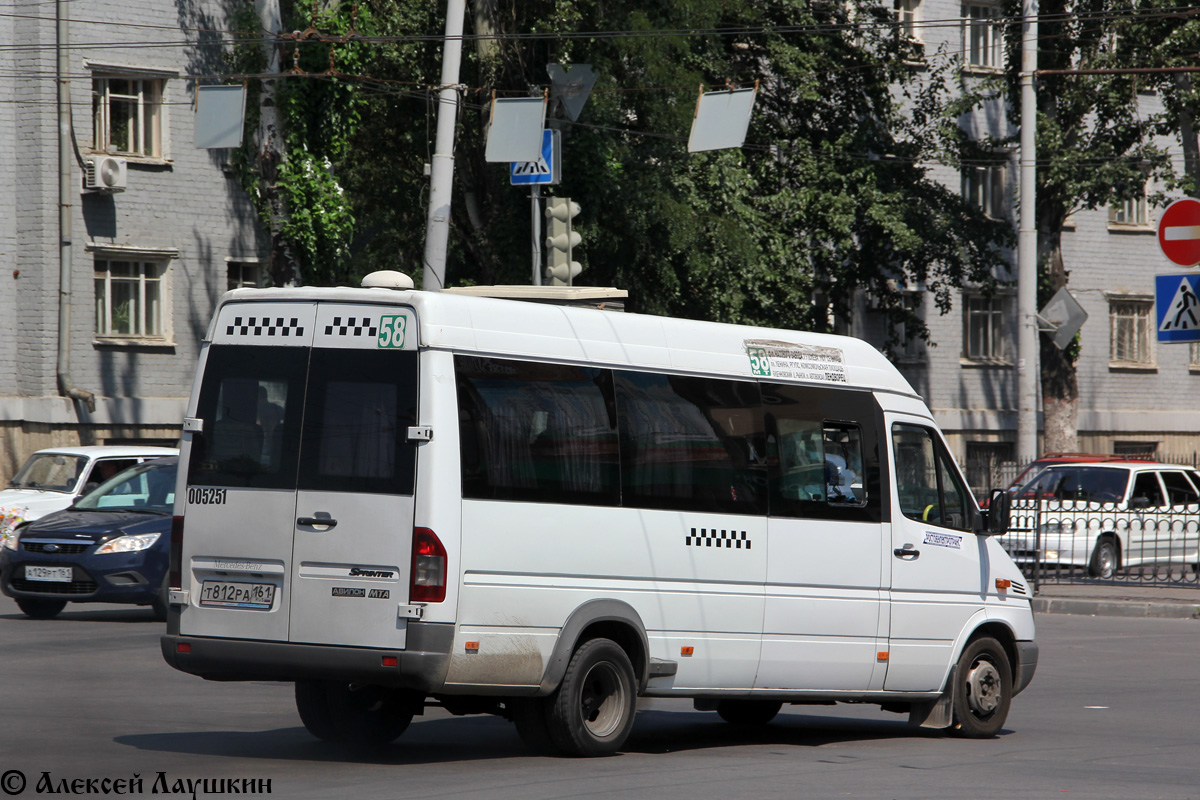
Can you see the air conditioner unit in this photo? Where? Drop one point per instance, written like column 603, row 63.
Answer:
column 104, row 174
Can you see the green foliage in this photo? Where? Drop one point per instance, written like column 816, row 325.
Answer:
column 830, row 196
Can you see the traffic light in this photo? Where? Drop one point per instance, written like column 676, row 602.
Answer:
column 561, row 240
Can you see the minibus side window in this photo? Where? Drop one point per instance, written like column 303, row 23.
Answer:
column 929, row 487
column 251, row 401
column 823, row 453
column 691, row 444
column 537, row 432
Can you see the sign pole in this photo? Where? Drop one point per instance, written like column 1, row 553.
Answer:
column 1028, row 372
column 535, row 195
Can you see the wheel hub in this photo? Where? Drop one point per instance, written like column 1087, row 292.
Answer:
column 983, row 688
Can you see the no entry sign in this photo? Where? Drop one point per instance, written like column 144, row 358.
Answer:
column 1179, row 232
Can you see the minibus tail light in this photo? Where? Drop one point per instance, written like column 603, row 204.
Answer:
column 175, row 564
column 427, row 583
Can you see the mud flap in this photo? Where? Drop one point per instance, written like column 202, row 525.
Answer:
column 937, row 713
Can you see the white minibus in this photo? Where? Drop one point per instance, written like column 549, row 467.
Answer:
column 397, row 498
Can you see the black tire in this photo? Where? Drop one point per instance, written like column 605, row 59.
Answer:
column 1106, row 558
column 748, row 712
column 40, row 608
column 982, row 689
column 162, row 601
column 531, row 715
column 312, row 701
column 592, row 712
column 366, row 714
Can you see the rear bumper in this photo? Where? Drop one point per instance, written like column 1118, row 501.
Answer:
column 1027, row 659
column 422, row 665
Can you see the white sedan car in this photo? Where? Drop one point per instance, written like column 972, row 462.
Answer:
column 51, row 479
column 1105, row 516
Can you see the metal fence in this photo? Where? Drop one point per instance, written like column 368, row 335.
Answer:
column 1067, row 541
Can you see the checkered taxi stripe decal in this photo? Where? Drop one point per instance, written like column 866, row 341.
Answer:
column 716, row 538
column 353, row 326
column 265, row 326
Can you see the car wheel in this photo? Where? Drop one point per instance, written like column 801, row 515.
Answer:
column 592, row 712
column 312, row 701
column 531, row 716
column 982, row 690
column 366, row 714
column 748, row 712
column 1105, row 558
column 161, row 603
column 38, row 608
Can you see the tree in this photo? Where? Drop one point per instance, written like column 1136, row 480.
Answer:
column 1095, row 147
column 828, row 197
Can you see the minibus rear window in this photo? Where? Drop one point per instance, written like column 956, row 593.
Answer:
column 251, row 401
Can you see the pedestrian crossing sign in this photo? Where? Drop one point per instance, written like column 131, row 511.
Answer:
column 1177, row 303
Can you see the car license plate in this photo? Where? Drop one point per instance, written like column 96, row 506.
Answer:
column 58, row 574
column 237, row 595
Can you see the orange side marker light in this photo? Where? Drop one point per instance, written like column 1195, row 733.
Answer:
column 1002, row 584
column 686, row 650
column 472, row 647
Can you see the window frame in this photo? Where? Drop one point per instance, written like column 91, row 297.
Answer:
column 241, row 265
column 999, row 349
column 985, row 187
column 987, row 21
column 142, row 331
column 1142, row 329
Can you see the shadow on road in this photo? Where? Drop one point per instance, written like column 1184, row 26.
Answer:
column 478, row 738
column 109, row 614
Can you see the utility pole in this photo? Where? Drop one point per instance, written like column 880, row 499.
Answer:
column 1027, row 249
column 441, row 173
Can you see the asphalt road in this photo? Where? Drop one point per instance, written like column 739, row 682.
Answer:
column 1111, row 714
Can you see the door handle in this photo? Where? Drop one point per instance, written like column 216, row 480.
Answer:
column 325, row 522
column 908, row 551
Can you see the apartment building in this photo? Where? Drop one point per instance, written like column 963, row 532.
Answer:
column 158, row 229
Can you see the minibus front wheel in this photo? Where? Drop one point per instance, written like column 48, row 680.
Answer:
column 982, row 689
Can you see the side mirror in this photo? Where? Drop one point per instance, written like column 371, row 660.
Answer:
column 998, row 512
column 1140, row 502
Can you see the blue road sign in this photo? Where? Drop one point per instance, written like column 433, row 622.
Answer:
column 1177, row 307
column 543, row 172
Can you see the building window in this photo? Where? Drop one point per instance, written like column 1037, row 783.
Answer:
column 127, row 115
column 911, row 348
column 983, row 38
column 1194, row 356
column 986, row 188
column 1134, row 212
column 1132, row 331
column 1146, row 450
column 989, row 466
column 246, row 274
column 906, row 19
column 130, row 298
column 984, row 327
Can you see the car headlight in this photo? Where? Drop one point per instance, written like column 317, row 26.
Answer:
column 1051, row 555
column 128, row 544
column 10, row 541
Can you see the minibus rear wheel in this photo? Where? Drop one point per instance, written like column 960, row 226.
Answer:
column 592, row 712
column 312, row 701
column 982, row 689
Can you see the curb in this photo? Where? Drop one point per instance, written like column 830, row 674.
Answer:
column 1115, row 608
